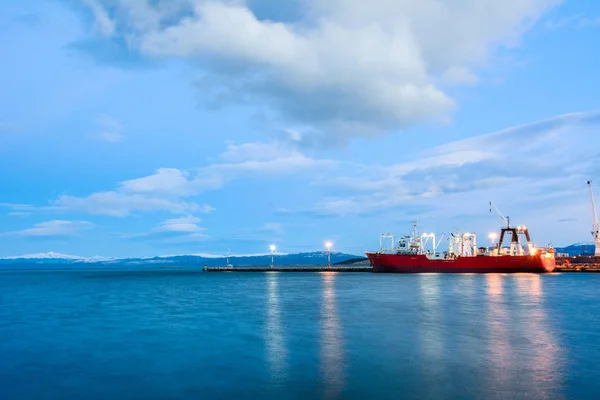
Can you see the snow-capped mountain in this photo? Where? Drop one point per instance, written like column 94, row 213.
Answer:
column 52, row 258
column 48, row 255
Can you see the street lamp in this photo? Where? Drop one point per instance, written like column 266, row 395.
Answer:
column 272, row 247
column 328, row 245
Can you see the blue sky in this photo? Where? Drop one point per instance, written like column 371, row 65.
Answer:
column 192, row 126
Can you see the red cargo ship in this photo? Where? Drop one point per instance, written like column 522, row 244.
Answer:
column 463, row 255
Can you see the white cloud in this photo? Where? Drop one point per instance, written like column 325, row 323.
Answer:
column 346, row 67
column 257, row 151
column 111, row 130
column 523, row 161
column 185, row 229
column 162, row 191
column 272, row 158
column 24, row 209
column 104, row 25
column 55, row 228
column 167, row 187
column 186, row 224
column 165, row 181
column 574, row 21
column 118, row 204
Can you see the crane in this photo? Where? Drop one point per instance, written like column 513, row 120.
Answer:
column 595, row 230
column 505, row 219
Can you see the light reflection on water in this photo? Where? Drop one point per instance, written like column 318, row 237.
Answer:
column 274, row 336
column 431, row 336
column 332, row 353
column 498, row 324
column 545, row 364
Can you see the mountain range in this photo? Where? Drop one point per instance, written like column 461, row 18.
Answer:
column 578, row 249
column 191, row 260
column 52, row 259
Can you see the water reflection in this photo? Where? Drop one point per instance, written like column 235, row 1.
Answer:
column 332, row 355
column 545, row 364
column 498, row 324
column 523, row 353
column 467, row 287
column 276, row 349
column 431, row 336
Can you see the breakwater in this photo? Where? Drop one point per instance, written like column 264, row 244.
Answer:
column 357, row 267
column 577, row 268
column 289, row 268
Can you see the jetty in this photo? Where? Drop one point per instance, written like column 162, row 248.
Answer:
column 289, row 268
column 356, row 267
column 577, row 268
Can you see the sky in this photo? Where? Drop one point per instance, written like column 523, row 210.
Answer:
column 137, row 128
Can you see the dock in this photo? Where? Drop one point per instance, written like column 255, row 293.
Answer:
column 358, row 268
column 288, row 268
column 578, row 268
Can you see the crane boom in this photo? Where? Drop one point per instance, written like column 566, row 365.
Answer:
column 595, row 228
column 505, row 219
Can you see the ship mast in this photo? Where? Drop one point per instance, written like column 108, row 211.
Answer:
column 595, row 228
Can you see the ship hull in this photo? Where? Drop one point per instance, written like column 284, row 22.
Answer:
column 399, row 263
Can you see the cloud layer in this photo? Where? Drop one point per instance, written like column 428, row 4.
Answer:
column 55, row 228
column 344, row 68
column 536, row 171
column 530, row 161
column 168, row 188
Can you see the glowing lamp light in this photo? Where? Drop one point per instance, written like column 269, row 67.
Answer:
column 272, row 247
column 493, row 235
column 328, row 244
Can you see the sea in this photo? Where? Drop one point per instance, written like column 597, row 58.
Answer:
column 188, row 334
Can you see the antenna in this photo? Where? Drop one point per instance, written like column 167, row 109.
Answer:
column 595, row 230
column 505, row 219
column 415, row 224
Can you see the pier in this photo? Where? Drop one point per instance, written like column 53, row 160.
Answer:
column 289, row 268
column 358, row 268
column 578, row 268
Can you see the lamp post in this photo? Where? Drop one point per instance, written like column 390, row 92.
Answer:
column 493, row 237
column 328, row 245
column 272, row 247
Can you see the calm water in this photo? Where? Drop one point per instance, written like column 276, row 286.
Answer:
column 158, row 335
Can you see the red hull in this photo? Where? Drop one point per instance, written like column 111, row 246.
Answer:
column 382, row 262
